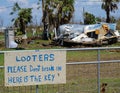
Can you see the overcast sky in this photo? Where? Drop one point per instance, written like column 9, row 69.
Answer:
column 91, row 6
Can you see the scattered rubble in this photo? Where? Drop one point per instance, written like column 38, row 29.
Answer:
column 95, row 34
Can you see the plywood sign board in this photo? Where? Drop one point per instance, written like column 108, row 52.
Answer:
column 35, row 67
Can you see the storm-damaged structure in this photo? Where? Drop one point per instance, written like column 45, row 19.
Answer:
column 95, row 34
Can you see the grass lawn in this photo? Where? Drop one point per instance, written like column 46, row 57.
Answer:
column 80, row 78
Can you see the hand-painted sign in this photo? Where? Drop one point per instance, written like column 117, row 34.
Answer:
column 35, row 68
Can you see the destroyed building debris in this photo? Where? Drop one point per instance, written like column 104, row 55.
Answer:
column 98, row 34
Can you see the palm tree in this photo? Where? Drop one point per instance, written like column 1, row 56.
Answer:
column 24, row 17
column 89, row 18
column 57, row 12
column 109, row 6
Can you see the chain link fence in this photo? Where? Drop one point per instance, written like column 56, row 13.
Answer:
column 88, row 70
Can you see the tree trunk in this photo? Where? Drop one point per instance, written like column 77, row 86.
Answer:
column 45, row 20
column 22, row 25
column 108, row 15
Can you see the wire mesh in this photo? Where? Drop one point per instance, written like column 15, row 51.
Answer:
column 81, row 74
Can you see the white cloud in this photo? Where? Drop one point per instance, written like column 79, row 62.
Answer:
column 95, row 0
column 88, row 2
column 19, row 1
column 23, row 1
column 2, row 9
column 119, row 6
column 11, row 0
column 35, row 6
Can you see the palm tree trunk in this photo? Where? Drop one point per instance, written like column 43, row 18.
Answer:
column 108, row 16
column 45, row 20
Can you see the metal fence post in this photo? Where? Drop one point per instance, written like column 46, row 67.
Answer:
column 37, row 89
column 98, row 70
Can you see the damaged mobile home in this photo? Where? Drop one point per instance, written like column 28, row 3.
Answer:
column 97, row 34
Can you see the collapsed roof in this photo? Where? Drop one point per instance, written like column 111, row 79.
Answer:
column 87, row 33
